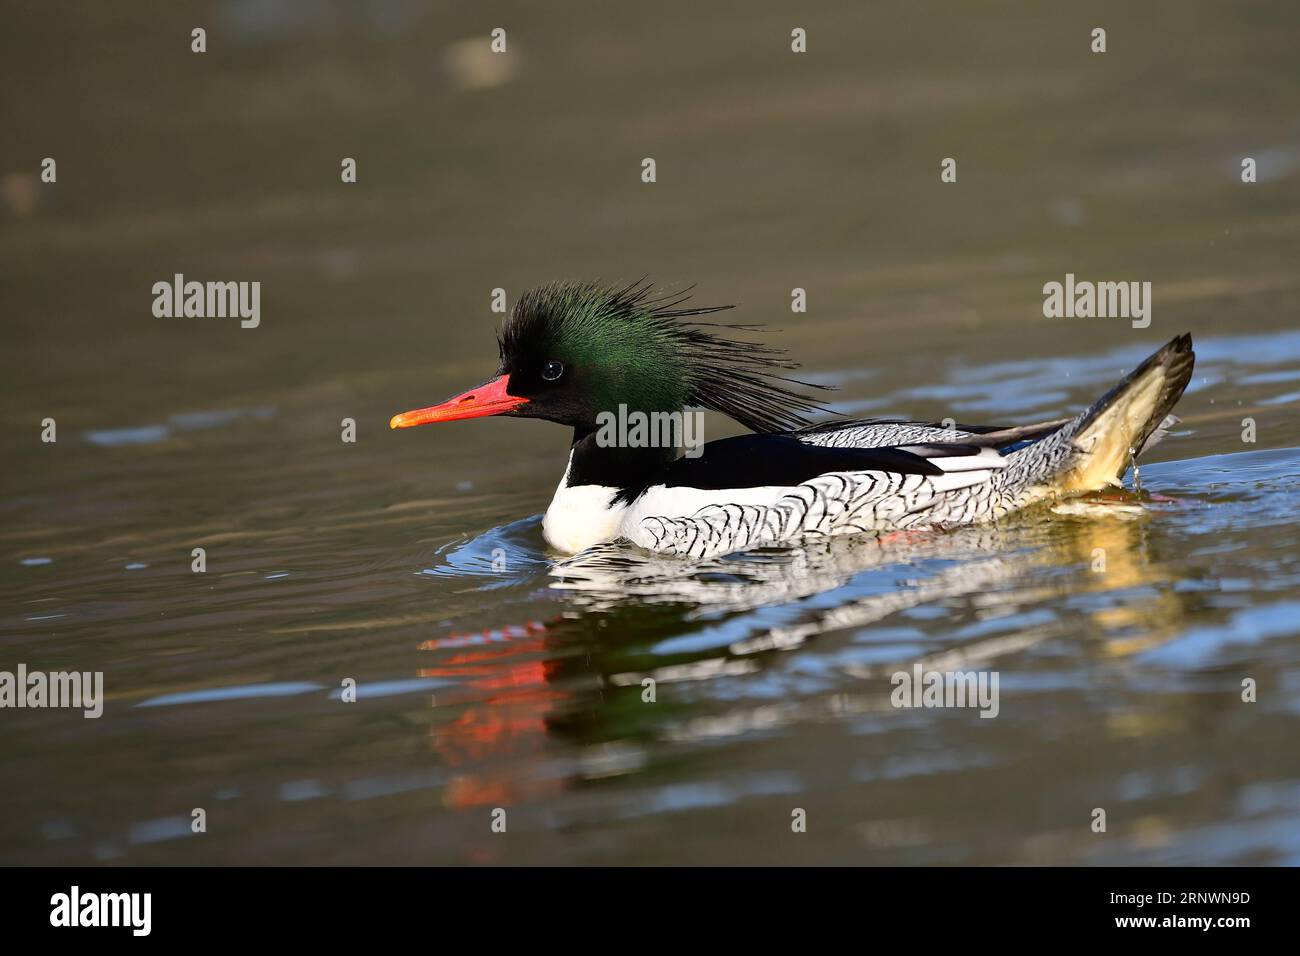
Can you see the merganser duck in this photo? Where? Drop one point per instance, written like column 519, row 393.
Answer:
column 574, row 353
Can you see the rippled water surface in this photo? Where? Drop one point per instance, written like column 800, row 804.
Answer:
column 492, row 673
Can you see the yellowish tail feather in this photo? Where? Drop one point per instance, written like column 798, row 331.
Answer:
column 1129, row 419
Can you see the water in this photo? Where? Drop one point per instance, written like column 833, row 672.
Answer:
column 490, row 673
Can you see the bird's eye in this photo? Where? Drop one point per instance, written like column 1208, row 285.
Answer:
column 552, row 370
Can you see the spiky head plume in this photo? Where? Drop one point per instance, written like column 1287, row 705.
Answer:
column 631, row 345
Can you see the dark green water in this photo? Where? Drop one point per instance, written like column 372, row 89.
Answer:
column 412, row 562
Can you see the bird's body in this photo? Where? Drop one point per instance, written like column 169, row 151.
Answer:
column 729, row 501
column 789, row 481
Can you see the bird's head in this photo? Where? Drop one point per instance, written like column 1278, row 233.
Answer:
column 570, row 351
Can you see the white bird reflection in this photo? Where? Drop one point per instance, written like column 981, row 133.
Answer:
column 997, row 570
column 613, row 575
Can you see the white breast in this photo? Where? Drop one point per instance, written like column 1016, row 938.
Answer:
column 584, row 515
column 581, row 516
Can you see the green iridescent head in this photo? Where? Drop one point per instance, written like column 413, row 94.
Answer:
column 574, row 350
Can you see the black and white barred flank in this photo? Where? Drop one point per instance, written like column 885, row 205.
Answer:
column 977, row 482
column 837, row 503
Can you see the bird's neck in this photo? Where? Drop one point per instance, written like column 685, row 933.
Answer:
column 626, row 466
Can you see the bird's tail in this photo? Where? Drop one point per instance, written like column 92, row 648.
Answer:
column 1096, row 448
